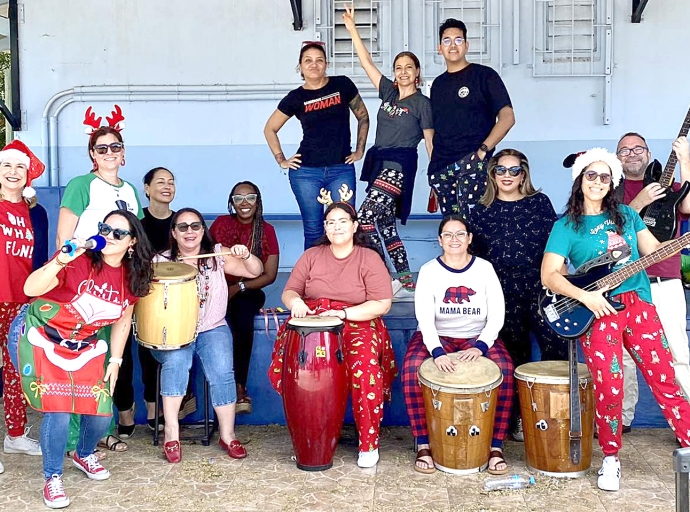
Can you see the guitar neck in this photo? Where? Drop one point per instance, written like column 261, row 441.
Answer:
column 669, row 249
column 670, row 169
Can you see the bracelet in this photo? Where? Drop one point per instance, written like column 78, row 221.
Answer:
column 61, row 264
column 249, row 255
column 345, row 311
column 116, row 360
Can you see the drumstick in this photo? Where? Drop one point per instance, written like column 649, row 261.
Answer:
column 208, row 255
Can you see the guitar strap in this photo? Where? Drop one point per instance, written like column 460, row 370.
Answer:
column 575, row 412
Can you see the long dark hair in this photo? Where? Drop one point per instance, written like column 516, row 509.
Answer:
column 257, row 234
column 359, row 238
column 576, row 206
column 207, row 241
column 103, row 130
column 138, row 269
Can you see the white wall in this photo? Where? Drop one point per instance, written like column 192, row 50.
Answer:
column 212, row 145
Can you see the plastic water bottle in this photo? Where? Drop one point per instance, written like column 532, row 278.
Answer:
column 509, row 482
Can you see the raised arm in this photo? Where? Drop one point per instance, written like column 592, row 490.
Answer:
column 273, row 126
column 362, row 53
column 682, row 150
column 359, row 109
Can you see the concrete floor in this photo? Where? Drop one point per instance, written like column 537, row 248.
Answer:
column 208, row 480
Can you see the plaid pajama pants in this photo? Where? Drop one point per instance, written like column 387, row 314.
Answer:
column 639, row 330
column 417, row 353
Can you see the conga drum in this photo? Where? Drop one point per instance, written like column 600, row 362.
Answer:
column 166, row 319
column 315, row 389
column 460, row 408
column 544, row 390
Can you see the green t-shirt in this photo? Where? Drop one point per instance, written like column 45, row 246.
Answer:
column 597, row 236
column 90, row 198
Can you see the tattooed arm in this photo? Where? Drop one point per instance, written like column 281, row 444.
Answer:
column 359, row 109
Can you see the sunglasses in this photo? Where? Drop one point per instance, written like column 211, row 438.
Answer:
column 604, row 178
column 115, row 147
column 118, row 234
column 447, row 41
column 448, row 236
column 500, row 170
column 250, row 198
column 183, row 226
column 319, row 43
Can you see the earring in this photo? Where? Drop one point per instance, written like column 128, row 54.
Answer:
column 123, row 161
column 95, row 166
column 130, row 252
column 416, row 82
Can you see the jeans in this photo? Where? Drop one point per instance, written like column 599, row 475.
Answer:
column 306, row 183
column 54, row 438
column 214, row 350
column 13, row 336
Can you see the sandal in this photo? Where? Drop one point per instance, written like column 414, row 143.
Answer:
column 113, row 443
column 497, row 454
column 126, row 431
column 424, row 452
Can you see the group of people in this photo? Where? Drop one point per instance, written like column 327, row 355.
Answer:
column 66, row 320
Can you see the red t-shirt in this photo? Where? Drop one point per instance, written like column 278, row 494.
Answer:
column 359, row 277
column 670, row 267
column 228, row 231
column 16, row 252
column 109, row 284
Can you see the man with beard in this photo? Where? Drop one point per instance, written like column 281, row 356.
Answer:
column 667, row 290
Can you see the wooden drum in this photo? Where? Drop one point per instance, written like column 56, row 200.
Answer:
column 460, row 408
column 166, row 319
column 544, row 392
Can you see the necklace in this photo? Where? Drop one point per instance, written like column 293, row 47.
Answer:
column 205, row 272
column 116, row 188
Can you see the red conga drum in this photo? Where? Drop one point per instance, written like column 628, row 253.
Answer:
column 315, row 389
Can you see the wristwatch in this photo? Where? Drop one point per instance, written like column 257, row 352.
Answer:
column 484, row 148
column 242, row 286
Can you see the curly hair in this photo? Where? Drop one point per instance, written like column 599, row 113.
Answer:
column 207, row 241
column 138, row 268
column 359, row 238
column 576, row 205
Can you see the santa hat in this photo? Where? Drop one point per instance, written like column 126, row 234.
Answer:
column 17, row 149
column 599, row 155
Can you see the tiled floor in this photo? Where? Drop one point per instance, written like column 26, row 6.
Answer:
column 268, row 480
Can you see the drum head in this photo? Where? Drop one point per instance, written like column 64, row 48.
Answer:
column 316, row 321
column 480, row 375
column 173, row 271
column 550, row 372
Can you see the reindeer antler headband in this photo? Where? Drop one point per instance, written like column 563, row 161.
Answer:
column 116, row 121
column 345, row 195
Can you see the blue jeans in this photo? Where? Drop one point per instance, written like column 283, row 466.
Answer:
column 54, row 432
column 306, row 183
column 214, row 350
column 13, row 336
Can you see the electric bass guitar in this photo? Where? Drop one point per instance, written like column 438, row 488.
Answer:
column 661, row 216
column 570, row 318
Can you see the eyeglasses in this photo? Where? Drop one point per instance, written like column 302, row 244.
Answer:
column 331, row 224
column 447, row 236
column 183, row 226
column 500, row 170
column 115, row 147
column 604, row 178
column 447, row 41
column 638, row 150
column 250, row 198
column 118, row 233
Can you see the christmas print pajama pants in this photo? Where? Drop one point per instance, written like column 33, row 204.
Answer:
column 13, row 397
column 460, row 185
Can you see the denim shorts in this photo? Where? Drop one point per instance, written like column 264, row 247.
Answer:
column 214, row 350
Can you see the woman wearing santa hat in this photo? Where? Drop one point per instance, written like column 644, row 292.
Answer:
column 596, row 223
column 23, row 247
column 86, row 201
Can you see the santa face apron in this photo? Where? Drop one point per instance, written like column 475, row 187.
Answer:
column 63, row 349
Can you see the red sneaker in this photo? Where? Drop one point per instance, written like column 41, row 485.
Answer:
column 91, row 467
column 54, row 493
column 234, row 449
column 173, row 451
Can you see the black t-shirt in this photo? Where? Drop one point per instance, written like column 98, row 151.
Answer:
column 158, row 230
column 464, row 105
column 325, row 117
column 400, row 123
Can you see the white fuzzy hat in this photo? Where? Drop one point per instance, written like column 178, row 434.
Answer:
column 599, row 155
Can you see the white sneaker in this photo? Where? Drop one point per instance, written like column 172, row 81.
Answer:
column 519, row 433
column 610, row 474
column 54, row 495
column 404, row 295
column 2, row 468
column 397, row 285
column 22, row 444
column 368, row 459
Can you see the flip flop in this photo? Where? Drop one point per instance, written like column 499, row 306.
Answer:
column 118, row 445
column 424, row 452
column 497, row 454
